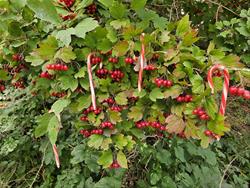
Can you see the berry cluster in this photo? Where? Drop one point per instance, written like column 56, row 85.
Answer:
column 154, row 124
column 68, row 16
column 95, row 60
column 45, row 75
column 91, row 109
column 116, row 108
column 184, row 98
column 109, row 101
column 217, row 73
column 107, row 124
column 114, row 165
column 116, row 75
column 17, row 57
column 211, row 134
column 58, row 94
column 91, row 9
column 129, row 60
column 87, row 133
column 68, row 3
column 113, row 60
column 2, row 88
column 84, row 118
column 18, row 84
column 237, row 91
column 162, row 82
column 150, row 67
column 201, row 113
column 102, row 73
column 59, row 67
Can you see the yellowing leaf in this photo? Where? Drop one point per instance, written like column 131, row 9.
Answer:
column 121, row 48
column 135, row 113
column 121, row 98
column 175, row 124
column 95, row 141
column 66, row 54
column 122, row 160
column 183, row 26
column 156, row 94
column 106, row 159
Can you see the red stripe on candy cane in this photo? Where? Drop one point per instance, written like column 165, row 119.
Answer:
column 225, row 86
column 56, row 156
column 91, row 84
column 142, row 60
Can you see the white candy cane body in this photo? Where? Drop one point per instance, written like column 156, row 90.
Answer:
column 142, row 60
column 225, row 86
column 56, row 156
column 91, row 84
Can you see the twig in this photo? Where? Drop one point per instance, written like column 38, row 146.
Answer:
column 34, row 180
column 223, row 7
column 217, row 13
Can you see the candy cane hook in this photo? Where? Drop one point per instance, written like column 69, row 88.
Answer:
column 142, row 60
column 225, row 86
column 91, row 84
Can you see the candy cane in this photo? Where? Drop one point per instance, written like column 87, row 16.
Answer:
column 91, row 84
column 56, row 156
column 142, row 60
column 225, row 86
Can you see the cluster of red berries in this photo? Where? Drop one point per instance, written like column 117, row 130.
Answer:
column 162, row 82
column 91, row 109
column 59, row 67
column 201, row 113
column 2, row 88
column 18, row 68
column 68, row 3
column 210, row 134
column 107, row 124
column 58, row 94
column 68, row 16
column 17, row 57
column 129, row 60
column 113, row 60
column 45, row 75
column 91, row 9
column 87, row 133
column 238, row 91
column 115, row 164
column 116, row 75
column 109, row 101
column 154, row 124
column 184, row 98
column 18, row 84
column 150, row 67
column 95, row 60
column 116, row 108
column 102, row 73
column 84, row 118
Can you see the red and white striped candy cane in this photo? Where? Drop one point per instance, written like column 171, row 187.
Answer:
column 91, row 84
column 56, row 156
column 225, row 86
column 142, row 60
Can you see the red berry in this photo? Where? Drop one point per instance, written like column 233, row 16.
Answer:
column 208, row 133
column 240, row 91
column 246, row 94
column 233, row 90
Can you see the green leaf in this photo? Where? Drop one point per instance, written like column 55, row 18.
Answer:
column 65, row 36
column 197, row 84
column 81, row 73
column 47, row 48
column 78, row 154
column 68, row 82
column 173, row 91
column 14, row 29
column 179, row 153
column 88, row 24
column 43, row 123
column 107, row 3
column 135, row 113
column 121, row 98
column 164, row 156
column 59, row 105
column 83, row 102
column 34, row 60
column 66, row 54
column 175, row 124
column 183, row 26
column 115, row 117
column 231, row 61
column 156, row 94
column 120, row 141
column 53, row 129
column 211, row 107
column 121, row 48
column 106, row 159
column 155, row 178
column 122, row 160
column 117, row 10
column 95, row 141
column 4, row 75
column 45, row 10
column 105, row 144
column 135, row 4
